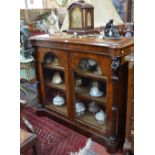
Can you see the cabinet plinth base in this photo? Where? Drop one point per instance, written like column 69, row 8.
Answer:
column 101, row 139
column 112, row 147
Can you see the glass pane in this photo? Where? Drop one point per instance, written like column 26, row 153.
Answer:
column 54, row 82
column 90, row 95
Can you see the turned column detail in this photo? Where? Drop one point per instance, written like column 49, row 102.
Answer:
column 115, row 67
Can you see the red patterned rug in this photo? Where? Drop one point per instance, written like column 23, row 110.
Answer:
column 54, row 138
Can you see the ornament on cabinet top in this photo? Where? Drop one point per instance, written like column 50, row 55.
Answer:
column 110, row 31
column 53, row 23
column 81, row 18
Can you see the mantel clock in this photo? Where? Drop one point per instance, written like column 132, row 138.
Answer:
column 81, row 18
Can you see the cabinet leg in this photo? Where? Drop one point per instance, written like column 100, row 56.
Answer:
column 127, row 148
column 112, row 142
column 127, row 152
column 112, row 145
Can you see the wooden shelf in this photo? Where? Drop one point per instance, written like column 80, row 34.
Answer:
column 84, row 93
column 55, row 86
column 91, row 75
column 59, row 109
column 60, row 68
column 89, row 119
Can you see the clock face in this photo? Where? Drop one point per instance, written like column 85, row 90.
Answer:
column 76, row 18
column 61, row 2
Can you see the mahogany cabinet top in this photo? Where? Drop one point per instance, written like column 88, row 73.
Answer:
column 63, row 41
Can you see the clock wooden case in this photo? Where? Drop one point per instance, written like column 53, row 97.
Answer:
column 81, row 18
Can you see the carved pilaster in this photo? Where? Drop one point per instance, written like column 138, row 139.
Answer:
column 115, row 67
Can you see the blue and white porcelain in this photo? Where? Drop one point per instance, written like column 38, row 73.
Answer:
column 79, row 108
column 100, row 117
column 94, row 91
column 93, row 107
column 58, row 100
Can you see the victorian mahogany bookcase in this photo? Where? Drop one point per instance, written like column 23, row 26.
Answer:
column 70, row 51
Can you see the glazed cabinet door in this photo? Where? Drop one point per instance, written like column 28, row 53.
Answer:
column 53, row 70
column 90, row 84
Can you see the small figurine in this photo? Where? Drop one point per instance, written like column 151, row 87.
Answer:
column 27, row 49
column 93, row 107
column 57, row 78
column 55, row 62
column 110, row 31
column 98, row 70
column 78, row 81
column 94, row 91
column 92, row 64
column 84, row 65
column 53, row 23
column 79, row 108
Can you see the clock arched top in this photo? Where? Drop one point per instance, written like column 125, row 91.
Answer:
column 81, row 4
